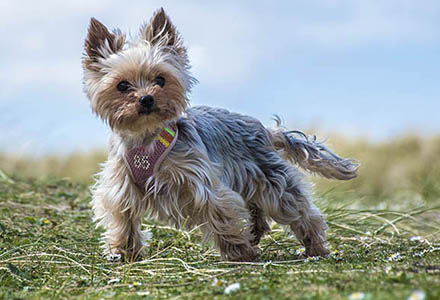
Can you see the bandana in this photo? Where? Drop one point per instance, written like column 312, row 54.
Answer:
column 143, row 163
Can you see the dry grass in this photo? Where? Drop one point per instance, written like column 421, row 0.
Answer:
column 404, row 167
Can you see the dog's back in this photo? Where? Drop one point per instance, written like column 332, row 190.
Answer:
column 236, row 143
column 239, row 143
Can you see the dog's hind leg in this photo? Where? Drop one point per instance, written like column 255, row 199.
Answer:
column 308, row 223
column 225, row 216
column 259, row 225
column 286, row 199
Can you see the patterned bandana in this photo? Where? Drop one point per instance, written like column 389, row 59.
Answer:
column 143, row 163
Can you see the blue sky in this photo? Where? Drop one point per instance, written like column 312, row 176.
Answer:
column 362, row 68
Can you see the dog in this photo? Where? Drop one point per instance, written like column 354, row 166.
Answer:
column 192, row 166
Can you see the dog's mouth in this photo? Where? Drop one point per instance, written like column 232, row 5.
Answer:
column 147, row 110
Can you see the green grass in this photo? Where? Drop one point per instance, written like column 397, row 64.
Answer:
column 50, row 249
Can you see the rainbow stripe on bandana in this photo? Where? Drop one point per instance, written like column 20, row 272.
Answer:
column 166, row 137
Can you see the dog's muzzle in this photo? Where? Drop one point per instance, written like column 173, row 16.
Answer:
column 146, row 104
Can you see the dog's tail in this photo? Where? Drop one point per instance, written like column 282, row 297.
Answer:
column 311, row 155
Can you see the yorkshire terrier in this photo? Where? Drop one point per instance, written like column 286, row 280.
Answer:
column 192, row 166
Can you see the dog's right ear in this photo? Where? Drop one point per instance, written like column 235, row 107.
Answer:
column 160, row 30
column 101, row 43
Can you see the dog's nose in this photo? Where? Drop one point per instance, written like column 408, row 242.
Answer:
column 147, row 101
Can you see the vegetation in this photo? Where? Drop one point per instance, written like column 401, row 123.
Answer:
column 384, row 234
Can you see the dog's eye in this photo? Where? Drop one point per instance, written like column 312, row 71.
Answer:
column 160, row 81
column 123, row 86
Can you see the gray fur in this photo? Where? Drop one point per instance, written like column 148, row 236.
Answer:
column 313, row 156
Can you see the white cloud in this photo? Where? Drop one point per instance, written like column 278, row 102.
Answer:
column 226, row 40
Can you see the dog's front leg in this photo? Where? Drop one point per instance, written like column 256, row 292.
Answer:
column 119, row 209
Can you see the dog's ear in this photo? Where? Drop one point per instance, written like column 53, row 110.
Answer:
column 100, row 43
column 160, row 30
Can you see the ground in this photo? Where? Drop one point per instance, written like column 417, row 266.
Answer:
column 385, row 243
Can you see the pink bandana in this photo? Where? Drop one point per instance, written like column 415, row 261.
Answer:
column 142, row 163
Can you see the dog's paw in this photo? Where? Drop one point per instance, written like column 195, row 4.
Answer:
column 132, row 256
column 242, row 253
column 317, row 250
column 120, row 255
column 114, row 257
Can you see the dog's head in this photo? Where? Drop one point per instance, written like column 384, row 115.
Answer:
column 139, row 85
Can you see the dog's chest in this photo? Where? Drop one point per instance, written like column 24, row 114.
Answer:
column 143, row 162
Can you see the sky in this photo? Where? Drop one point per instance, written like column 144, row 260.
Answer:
column 360, row 68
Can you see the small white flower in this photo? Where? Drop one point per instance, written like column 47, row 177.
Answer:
column 364, row 238
column 135, row 284
column 232, row 288
column 417, row 295
column 114, row 257
column 268, row 263
column 311, row 258
column 388, row 269
column 394, row 257
column 300, row 251
column 356, row 296
column 114, row 280
column 432, row 249
column 416, row 239
column 217, row 282
column 143, row 293
column 419, row 254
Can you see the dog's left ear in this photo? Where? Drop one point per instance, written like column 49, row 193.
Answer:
column 160, row 30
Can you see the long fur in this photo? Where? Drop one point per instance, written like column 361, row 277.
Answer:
column 311, row 155
column 227, row 173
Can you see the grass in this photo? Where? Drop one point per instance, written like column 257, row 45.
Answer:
column 384, row 234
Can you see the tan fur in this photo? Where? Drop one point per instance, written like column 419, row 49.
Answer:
column 121, row 110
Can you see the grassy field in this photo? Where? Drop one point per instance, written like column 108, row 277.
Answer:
column 384, row 234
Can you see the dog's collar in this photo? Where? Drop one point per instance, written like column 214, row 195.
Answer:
column 143, row 162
